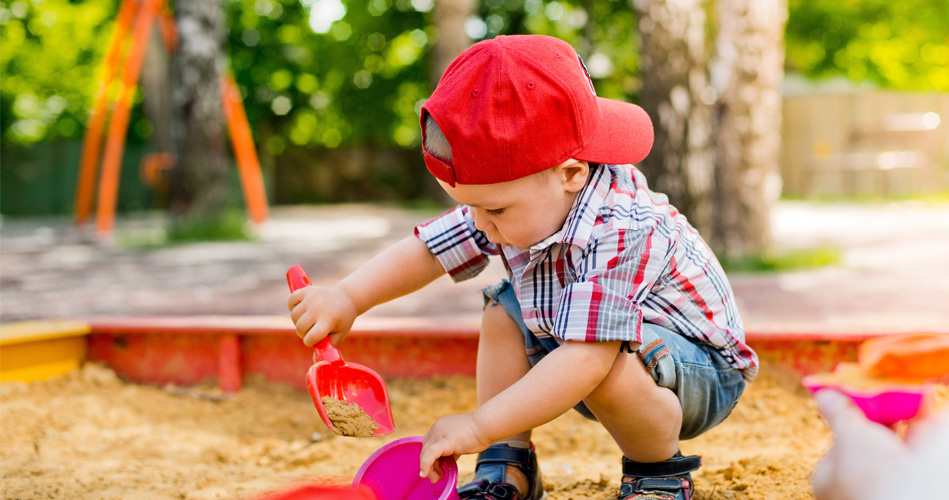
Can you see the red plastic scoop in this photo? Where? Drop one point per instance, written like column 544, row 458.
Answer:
column 349, row 382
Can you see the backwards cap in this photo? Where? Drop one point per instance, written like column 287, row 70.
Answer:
column 515, row 105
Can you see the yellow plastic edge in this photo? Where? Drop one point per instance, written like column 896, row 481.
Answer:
column 20, row 332
column 37, row 350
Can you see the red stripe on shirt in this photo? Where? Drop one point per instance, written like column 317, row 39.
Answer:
column 466, row 265
column 641, row 269
column 689, row 289
column 593, row 318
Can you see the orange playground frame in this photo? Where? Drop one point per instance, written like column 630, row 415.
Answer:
column 134, row 23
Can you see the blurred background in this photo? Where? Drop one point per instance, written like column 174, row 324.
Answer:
column 755, row 102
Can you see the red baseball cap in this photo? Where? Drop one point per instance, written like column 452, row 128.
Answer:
column 515, row 105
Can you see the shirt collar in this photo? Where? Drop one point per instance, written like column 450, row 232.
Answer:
column 581, row 219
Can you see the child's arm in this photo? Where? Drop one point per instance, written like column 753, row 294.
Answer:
column 558, row 382
column 318, row 311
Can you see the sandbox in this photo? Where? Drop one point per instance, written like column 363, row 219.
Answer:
column 208, row 408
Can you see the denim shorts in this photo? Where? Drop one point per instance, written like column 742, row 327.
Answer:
column 707, row 386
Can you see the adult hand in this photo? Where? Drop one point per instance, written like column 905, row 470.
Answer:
column 450, row 436
column 869, row 461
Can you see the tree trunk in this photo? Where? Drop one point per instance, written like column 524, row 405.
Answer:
column 449, row 17
column 747, row 73
column 673, row 67
column 199, row 187
column 587, row 40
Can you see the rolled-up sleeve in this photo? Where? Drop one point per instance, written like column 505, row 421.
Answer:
column 460, row 248
column 603, row 304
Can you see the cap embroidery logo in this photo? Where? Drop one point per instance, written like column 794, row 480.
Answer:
column 586, row 74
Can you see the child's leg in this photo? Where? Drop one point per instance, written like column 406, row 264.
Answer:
column 508, row 468
column 643, row 418
column 669, row 389
column 501, row 357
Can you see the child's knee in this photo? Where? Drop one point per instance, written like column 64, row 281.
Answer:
column 496, row 322
column 627, row 381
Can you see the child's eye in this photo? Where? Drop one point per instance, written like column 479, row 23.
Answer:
column 497, row 211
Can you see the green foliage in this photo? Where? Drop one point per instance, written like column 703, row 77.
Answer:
column 359, row 77
column 602, row 32
column 363, row 78
column 898, row 45
column 358, row 82
column 789, row 260
column 49, row 65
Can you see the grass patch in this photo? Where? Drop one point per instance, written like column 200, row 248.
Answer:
column 142, row 239
column 791, row 260
column 935, row 198
column 230, row 226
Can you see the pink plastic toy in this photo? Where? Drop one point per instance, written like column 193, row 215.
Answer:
column 392, row 474
column 320, row 492
column 886, row 406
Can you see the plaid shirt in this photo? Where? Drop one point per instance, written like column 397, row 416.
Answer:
column 623, row 256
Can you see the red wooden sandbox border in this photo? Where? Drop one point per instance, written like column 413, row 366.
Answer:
column 187, row 350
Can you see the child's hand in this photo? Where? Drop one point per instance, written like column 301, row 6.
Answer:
column 318, row 311
column 863, row 452
column 869, row 461
column 450, row 436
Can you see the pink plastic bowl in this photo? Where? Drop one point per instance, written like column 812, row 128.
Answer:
column 391, row 472
column 884, row 406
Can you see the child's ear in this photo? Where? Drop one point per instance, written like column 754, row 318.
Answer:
column 573, row 174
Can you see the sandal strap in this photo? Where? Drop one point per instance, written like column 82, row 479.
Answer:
column 657, row 487
column 486, row 490
column 520, row 457
column 491, row 470
column 676, row 465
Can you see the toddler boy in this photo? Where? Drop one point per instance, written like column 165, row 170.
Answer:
column 614, row 306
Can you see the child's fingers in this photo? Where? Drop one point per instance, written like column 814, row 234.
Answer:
column 295, row 298
column 320, row 329
column 837, row 409
column 428, row 462
column 824, row 477
column 302, row 320
column 926, row 410
column 930, row 437
column 842, row 416
column 437, row 472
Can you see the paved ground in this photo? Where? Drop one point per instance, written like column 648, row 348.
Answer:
column 894, row 275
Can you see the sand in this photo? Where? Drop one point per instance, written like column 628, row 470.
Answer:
column 349, row 418
column 89, row 435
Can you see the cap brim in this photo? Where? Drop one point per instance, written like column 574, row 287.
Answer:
column 625, row 135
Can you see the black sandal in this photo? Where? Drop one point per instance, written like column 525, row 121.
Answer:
column 666, row 480
column 491, row 471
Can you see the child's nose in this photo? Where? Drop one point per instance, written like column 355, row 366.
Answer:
column 481, row 220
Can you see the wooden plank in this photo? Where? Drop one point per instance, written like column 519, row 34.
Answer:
column 229, row 363
column 189, row 350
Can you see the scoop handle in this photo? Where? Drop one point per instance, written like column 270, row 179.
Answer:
column 324, row 350
column 297, row 278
